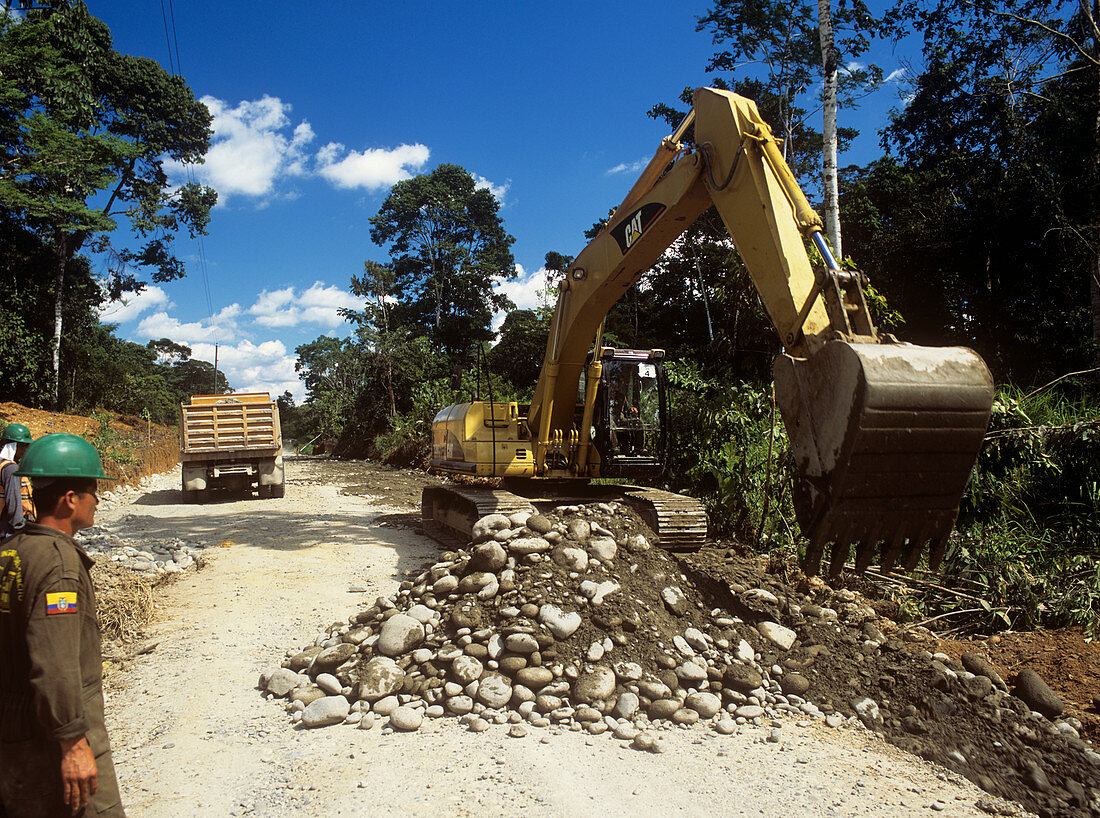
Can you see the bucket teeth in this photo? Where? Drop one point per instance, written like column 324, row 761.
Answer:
column 891, row 552
column 883, row 437
column 814, row 552
column 913, row 553
column 838, row 557
column 865, row 555
column 935, row 555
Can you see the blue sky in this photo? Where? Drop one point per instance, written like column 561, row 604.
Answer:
column 320, row 108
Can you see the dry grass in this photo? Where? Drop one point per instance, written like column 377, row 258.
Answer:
column 124, row 601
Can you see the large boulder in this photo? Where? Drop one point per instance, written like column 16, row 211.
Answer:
column 281, row 681
column 325, row 711
column 595, row 686
column 561, row 624
column 494, row 690
column 488, row 525
column 331, row 658
column 400, row 634
column 1036, row 694
column 489, row 557
column 380, row 677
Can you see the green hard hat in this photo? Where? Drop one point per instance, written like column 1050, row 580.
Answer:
column 61, row 455
column 17, row 433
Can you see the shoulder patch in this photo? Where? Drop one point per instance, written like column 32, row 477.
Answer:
column 62, row 602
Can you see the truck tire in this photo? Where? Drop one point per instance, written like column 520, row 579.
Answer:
column 278, row 490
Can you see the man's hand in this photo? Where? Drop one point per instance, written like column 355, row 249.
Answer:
column 78, row 773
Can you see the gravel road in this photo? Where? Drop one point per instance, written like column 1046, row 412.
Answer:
column 193, row 736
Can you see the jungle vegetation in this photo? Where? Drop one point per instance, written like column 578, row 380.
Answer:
column 979, row 225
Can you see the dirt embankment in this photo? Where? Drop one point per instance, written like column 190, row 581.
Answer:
column 130, row 448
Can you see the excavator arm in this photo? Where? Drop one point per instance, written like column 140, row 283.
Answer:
column 884, row 434
column 737, row 168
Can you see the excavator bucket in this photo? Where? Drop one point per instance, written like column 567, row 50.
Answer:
column 884, row 437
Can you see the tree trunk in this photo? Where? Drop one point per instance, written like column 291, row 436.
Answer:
column 59, row 298
column 831, row 192
column 703, row 291
column 1094, row 298
column 1094, row 261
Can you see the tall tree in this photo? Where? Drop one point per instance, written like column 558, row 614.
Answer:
column 517, row 356
column 447, row 246
column 1009, row 99
column 791, row 47
column 373, row 323
column 829, row 181
column 332, row 369
column 86, row 131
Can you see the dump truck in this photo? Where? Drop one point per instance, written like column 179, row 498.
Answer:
column 231, row 442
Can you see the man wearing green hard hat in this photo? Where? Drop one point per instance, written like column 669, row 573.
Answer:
column 55, row 758
column 16, row 506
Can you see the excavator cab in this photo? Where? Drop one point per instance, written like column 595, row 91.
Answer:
column 628, row 422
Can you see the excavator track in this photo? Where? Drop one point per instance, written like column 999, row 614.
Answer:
column 679, row 521
column 450, row 512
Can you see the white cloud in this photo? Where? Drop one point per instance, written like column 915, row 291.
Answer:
column 897, row 75
column 373, row 169
column 527, row 290
column 317, row 305
column 633, row 167
column 131, row 305
column 498, row 191
column 256, row 146
column 253, row 147
column 222, row 326
column 249, row 367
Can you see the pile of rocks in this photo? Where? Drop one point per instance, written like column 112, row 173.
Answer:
column 570, row 619
column 573, row 620
column 151, row 558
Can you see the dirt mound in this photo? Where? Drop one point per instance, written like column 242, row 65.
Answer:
column 129, row 447
column 573, row 619
column 926, row 702
column 1068, row 663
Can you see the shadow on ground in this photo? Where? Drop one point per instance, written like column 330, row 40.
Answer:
column 258, row 524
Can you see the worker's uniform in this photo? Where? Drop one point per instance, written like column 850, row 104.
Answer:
column 51, row 675
column 16, row 505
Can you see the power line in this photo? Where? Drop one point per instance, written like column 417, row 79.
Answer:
column 167, row 15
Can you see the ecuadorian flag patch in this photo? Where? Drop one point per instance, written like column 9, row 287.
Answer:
column 61, row 603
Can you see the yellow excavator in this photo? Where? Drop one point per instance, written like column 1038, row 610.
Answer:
column 883, row 433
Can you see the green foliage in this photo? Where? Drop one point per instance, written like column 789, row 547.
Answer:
column 112, row 444
column 517, row 355
column 1028, row 540
column 982, row 227
column 728, row 446
column 100, row 370
column 447, row 244
column 333, row 371
column 84, row 135
column 88, row 130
